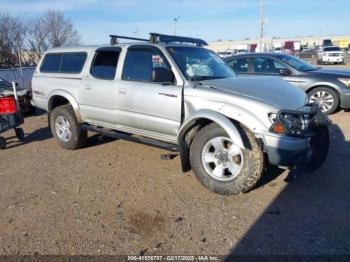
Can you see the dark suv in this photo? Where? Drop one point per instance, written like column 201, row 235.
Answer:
column 330, row 88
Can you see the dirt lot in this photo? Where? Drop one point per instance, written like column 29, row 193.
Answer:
column 117, row 197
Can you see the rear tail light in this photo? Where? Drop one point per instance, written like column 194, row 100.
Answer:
column 7, row 105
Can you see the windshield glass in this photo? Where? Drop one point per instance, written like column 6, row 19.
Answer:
column 199, row 63
column 331, row 49
column 297, row 63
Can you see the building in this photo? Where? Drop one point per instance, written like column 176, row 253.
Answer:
column 311, row 42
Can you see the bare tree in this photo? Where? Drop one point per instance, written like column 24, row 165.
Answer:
column 51, row 29
column 12, row 40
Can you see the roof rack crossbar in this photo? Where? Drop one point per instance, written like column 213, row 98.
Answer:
column 156, row 38
column 114, row 38
column 160, row 38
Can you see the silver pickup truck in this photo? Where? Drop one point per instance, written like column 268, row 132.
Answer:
column 171, row 92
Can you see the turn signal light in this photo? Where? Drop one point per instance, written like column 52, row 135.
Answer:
column 278, row 128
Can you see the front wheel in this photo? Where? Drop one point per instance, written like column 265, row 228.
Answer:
column 326, row 98
column 66, row 129
column 222, row 166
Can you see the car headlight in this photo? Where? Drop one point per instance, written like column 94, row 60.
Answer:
column 345, row 81
column 292, row 123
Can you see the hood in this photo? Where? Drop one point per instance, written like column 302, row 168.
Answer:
column 332, row 72
column 272, row 90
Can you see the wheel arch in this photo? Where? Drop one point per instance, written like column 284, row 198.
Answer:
column 60, row 97
column 324, row 85
column 198, row 120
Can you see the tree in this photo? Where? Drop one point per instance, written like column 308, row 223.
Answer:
column 12, row 40
column 50, row 30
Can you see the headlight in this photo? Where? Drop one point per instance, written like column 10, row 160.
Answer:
column 345, row 81
column 295, row 124
column 291, row 123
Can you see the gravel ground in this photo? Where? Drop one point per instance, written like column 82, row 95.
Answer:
column 117, row 197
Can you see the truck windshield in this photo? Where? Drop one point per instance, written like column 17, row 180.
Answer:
column 297, row 63
column 199, row 63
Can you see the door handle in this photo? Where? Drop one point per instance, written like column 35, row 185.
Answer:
column 169, row 95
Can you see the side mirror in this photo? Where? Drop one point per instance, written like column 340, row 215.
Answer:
column 284, row 72
column 162, row 75
column 16, row 83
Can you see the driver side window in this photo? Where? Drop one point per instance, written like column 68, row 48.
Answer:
column 140, row 62
column 266, row 65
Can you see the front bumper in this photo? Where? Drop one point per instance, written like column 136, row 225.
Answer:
column 287, row 151
column 333, row 59
column 309, row 149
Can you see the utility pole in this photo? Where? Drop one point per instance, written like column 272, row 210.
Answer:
column 261, row 24
column 175, row 21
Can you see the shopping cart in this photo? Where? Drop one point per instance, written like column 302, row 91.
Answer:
column 10, row 116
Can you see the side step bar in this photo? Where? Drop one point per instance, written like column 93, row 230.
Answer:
column 130, row 137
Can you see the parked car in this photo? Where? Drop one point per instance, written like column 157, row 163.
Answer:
column 307, row 53
column 329, row 88
column 173, row 93
column 24, row 95
column 330, row 55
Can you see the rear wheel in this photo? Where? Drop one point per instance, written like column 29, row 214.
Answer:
column 223, row 167
column 66, row 128
column 326, row 98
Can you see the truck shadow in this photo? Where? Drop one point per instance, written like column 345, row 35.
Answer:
column 310, row 216
column 42, row 134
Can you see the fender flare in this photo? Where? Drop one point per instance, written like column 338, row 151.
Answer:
column 216, row 117
column 70, row 99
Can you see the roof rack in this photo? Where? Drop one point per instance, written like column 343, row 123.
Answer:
column 160, row 38
column 114, row 38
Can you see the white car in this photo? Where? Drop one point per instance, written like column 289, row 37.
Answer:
column 330, row 55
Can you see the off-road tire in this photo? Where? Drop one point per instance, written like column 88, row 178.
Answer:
column 334, row 94
column 78, row 135
column 253, row 164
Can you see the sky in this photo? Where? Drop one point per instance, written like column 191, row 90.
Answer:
column 208, row 19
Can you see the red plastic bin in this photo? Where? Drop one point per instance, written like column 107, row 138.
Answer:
column 7, row 105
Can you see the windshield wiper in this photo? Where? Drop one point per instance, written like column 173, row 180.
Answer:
column 201, row 78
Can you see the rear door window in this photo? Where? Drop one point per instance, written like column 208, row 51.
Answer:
column 105, row 64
